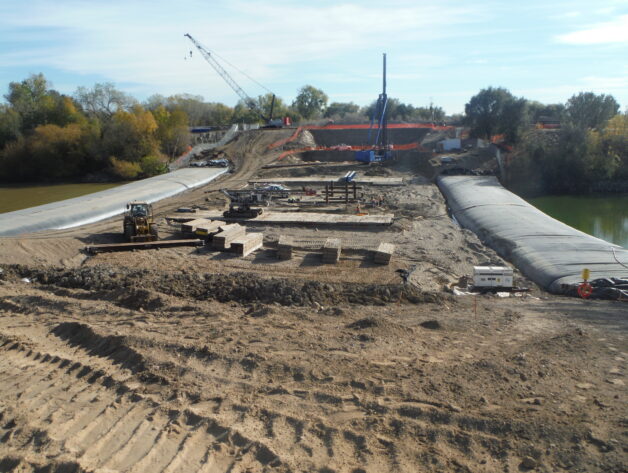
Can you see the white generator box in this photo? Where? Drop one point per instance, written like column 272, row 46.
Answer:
column 492, row 276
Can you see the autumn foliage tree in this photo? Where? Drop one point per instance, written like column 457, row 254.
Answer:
column 45, row 135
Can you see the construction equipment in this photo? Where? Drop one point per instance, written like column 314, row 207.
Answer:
column 240, row 203
column 138, row 222
column 380, row 150
column 250, row 103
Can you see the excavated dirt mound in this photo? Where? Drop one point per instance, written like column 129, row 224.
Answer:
column 237, row 287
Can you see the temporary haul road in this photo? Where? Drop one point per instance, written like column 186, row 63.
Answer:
column 101, row 205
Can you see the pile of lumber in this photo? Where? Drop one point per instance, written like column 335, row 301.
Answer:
column 228, row 233
column 247, row 244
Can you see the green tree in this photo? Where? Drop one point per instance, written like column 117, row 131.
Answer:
column 124, row 170
column 194, row 107
column 130, row 135
column 484, row 110
column 103, row 100
column 392, row 109
column 588, row 110
column 614, row 142
column 152, row 166
column 310, row 102
column 10, row 125
column 496, row 110
column 37, row 104
column 30, row 100
column 172, row 130
column 538, row 110
column 341, row 109
column 217, row 114
column 513, row 119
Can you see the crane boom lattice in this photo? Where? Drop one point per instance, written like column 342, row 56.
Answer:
column 250, row 103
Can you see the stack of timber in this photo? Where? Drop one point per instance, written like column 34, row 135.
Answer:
column 223, row 239
column 141, row 245
column 209, row 229
column 383, row 253
column 331, row 250
column 248, row 243
column 189, row 227
column 284, row 247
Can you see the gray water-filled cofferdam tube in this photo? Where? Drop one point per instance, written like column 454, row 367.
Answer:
column 101, row 205
column 547, row 251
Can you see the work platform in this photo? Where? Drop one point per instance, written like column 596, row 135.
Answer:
column 292, row 218
column 322, row 180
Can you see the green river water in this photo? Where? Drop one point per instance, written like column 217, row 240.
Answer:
column 17, row 197
column 603, row 216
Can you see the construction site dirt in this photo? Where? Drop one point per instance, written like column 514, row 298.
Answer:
column 187, row 359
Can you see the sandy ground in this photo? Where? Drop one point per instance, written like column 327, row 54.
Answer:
column 186, row 360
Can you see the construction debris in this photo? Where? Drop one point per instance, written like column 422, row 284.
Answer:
column 331, row 250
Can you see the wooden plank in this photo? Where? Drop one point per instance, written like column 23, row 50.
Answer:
column 222, row 240
column 248, row 243
column 191, row 225
column 208, row 230
column 144, row 245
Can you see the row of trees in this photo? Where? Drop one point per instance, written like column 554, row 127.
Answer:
column 45, row 135
column 495, row 111
column 310, row 104
column 589, row 147
column 103, row 133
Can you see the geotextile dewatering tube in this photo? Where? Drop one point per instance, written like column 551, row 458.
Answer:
column 547, row 251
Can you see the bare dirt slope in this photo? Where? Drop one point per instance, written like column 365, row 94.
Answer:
column 188, row 360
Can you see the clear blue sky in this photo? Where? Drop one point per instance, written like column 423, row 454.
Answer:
column 445, row 51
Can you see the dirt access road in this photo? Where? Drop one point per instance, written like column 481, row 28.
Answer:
column 183, row 360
